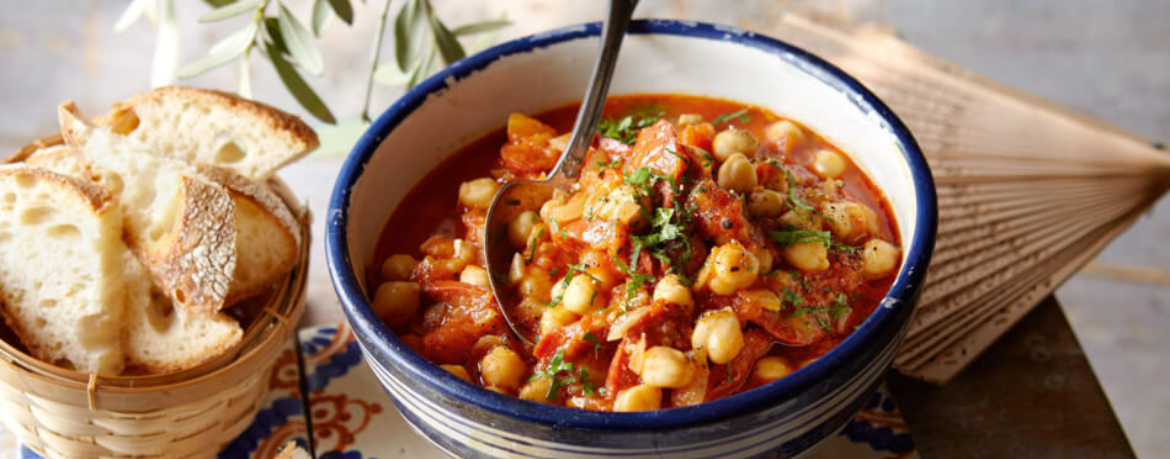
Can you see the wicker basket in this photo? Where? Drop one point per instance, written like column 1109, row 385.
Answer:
column 61, row 413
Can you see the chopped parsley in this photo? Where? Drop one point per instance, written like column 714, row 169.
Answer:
column 789, row 237
column 792, row 298
column 553, row 371
column 741, row 114
column 590, row 337
column 729, row 379
column 637, row 280
column 535, row 244
column 840, row 306
column 625, row 129
column 796, row 203
column 573, row 271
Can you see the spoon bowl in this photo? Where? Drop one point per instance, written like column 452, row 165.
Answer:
column 520, row 195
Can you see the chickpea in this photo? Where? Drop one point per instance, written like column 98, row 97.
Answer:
column 734, row 268
column 555, row 318
column 786, row 134
column 537, row 391
column 536, row 285
column 396, row 302
column 580, row 295
column 732, row 141
column 689, row 118
column 671, row 290
column 878, row 259
column 828, row 164
column 666, row 367
column 458, row 371
column 808, row 256
column 398, row 267
column 642, row 397
column 521, row 227
column 772, row 368
column 803, row 219
column 478, row 193
column 765, row 299
column 849, row 220
column 503, row 368
column 765, row 203
column 720, row 334
column 476, row 276
column 737, row 174
column 764, row 257
column 518, row 269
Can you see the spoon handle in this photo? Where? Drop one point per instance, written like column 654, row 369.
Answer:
column 612, row 32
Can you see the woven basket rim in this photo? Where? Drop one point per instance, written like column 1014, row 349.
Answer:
column 281, row 312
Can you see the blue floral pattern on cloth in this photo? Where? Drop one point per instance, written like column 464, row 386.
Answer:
column 353, row 419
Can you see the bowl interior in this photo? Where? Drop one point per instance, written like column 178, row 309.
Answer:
column 533, row 74
column 553, row 76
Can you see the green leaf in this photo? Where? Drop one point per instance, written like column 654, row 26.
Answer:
column 480, row 27
column 272, row 31
column 131, row 14
column 322, row 14
column 417, row 76
column 298, row 87
column 231, row 10
column 223, row 52
column 409, row 30
column 166, row 46
column 726, row 117
column 449, row 46
column 218, row 3
column 301, row 45
column 343, row 9
column 244, row 79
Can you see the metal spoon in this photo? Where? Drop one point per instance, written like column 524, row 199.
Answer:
column 518, row 196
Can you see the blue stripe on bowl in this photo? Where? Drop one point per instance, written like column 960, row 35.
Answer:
column 555, row 427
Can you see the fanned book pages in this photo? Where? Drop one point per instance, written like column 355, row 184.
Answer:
column 1028, row 192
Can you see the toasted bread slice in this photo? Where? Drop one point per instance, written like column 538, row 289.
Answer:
column 212, row 127
column 61, row 277
column 267, row 235
column 179, row 225
column 60, row 159
column 160, row 338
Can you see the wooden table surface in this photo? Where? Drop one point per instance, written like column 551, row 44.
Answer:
column 1032, row 395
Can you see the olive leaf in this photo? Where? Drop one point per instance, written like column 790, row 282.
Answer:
column 322, row 14
column 244, row 78
column 131, row 14
column 297, row 86
column 217, row 3
column 343, row 9
column 231, row 10
column 409, row 34
column 301, row 45
column 222, row 52
column 481, row 27
column 166, row 46
column 448, row 45
column 272, row 32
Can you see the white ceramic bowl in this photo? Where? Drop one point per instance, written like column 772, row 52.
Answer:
column 474, row 96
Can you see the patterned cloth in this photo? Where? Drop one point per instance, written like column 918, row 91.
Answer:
column 352, row 418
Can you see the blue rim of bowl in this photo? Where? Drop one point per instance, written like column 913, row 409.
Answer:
column 385, row 345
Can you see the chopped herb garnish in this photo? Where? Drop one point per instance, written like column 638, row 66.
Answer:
column 637, row 280
column 741, row 114
column 555, row 367
column 840, row 306
column 794, row 201
column 707, row 159
column 626, row 129
column 790, row 237
column 535, row 244
column 729, row 378
column 844, row 248
column 793, row 299
column 590, row 337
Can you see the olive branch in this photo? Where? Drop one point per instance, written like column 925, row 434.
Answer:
column 423, row 44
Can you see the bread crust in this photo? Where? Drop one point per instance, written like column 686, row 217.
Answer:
column 297, row 137
column 260, row 196
column 195, row 261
